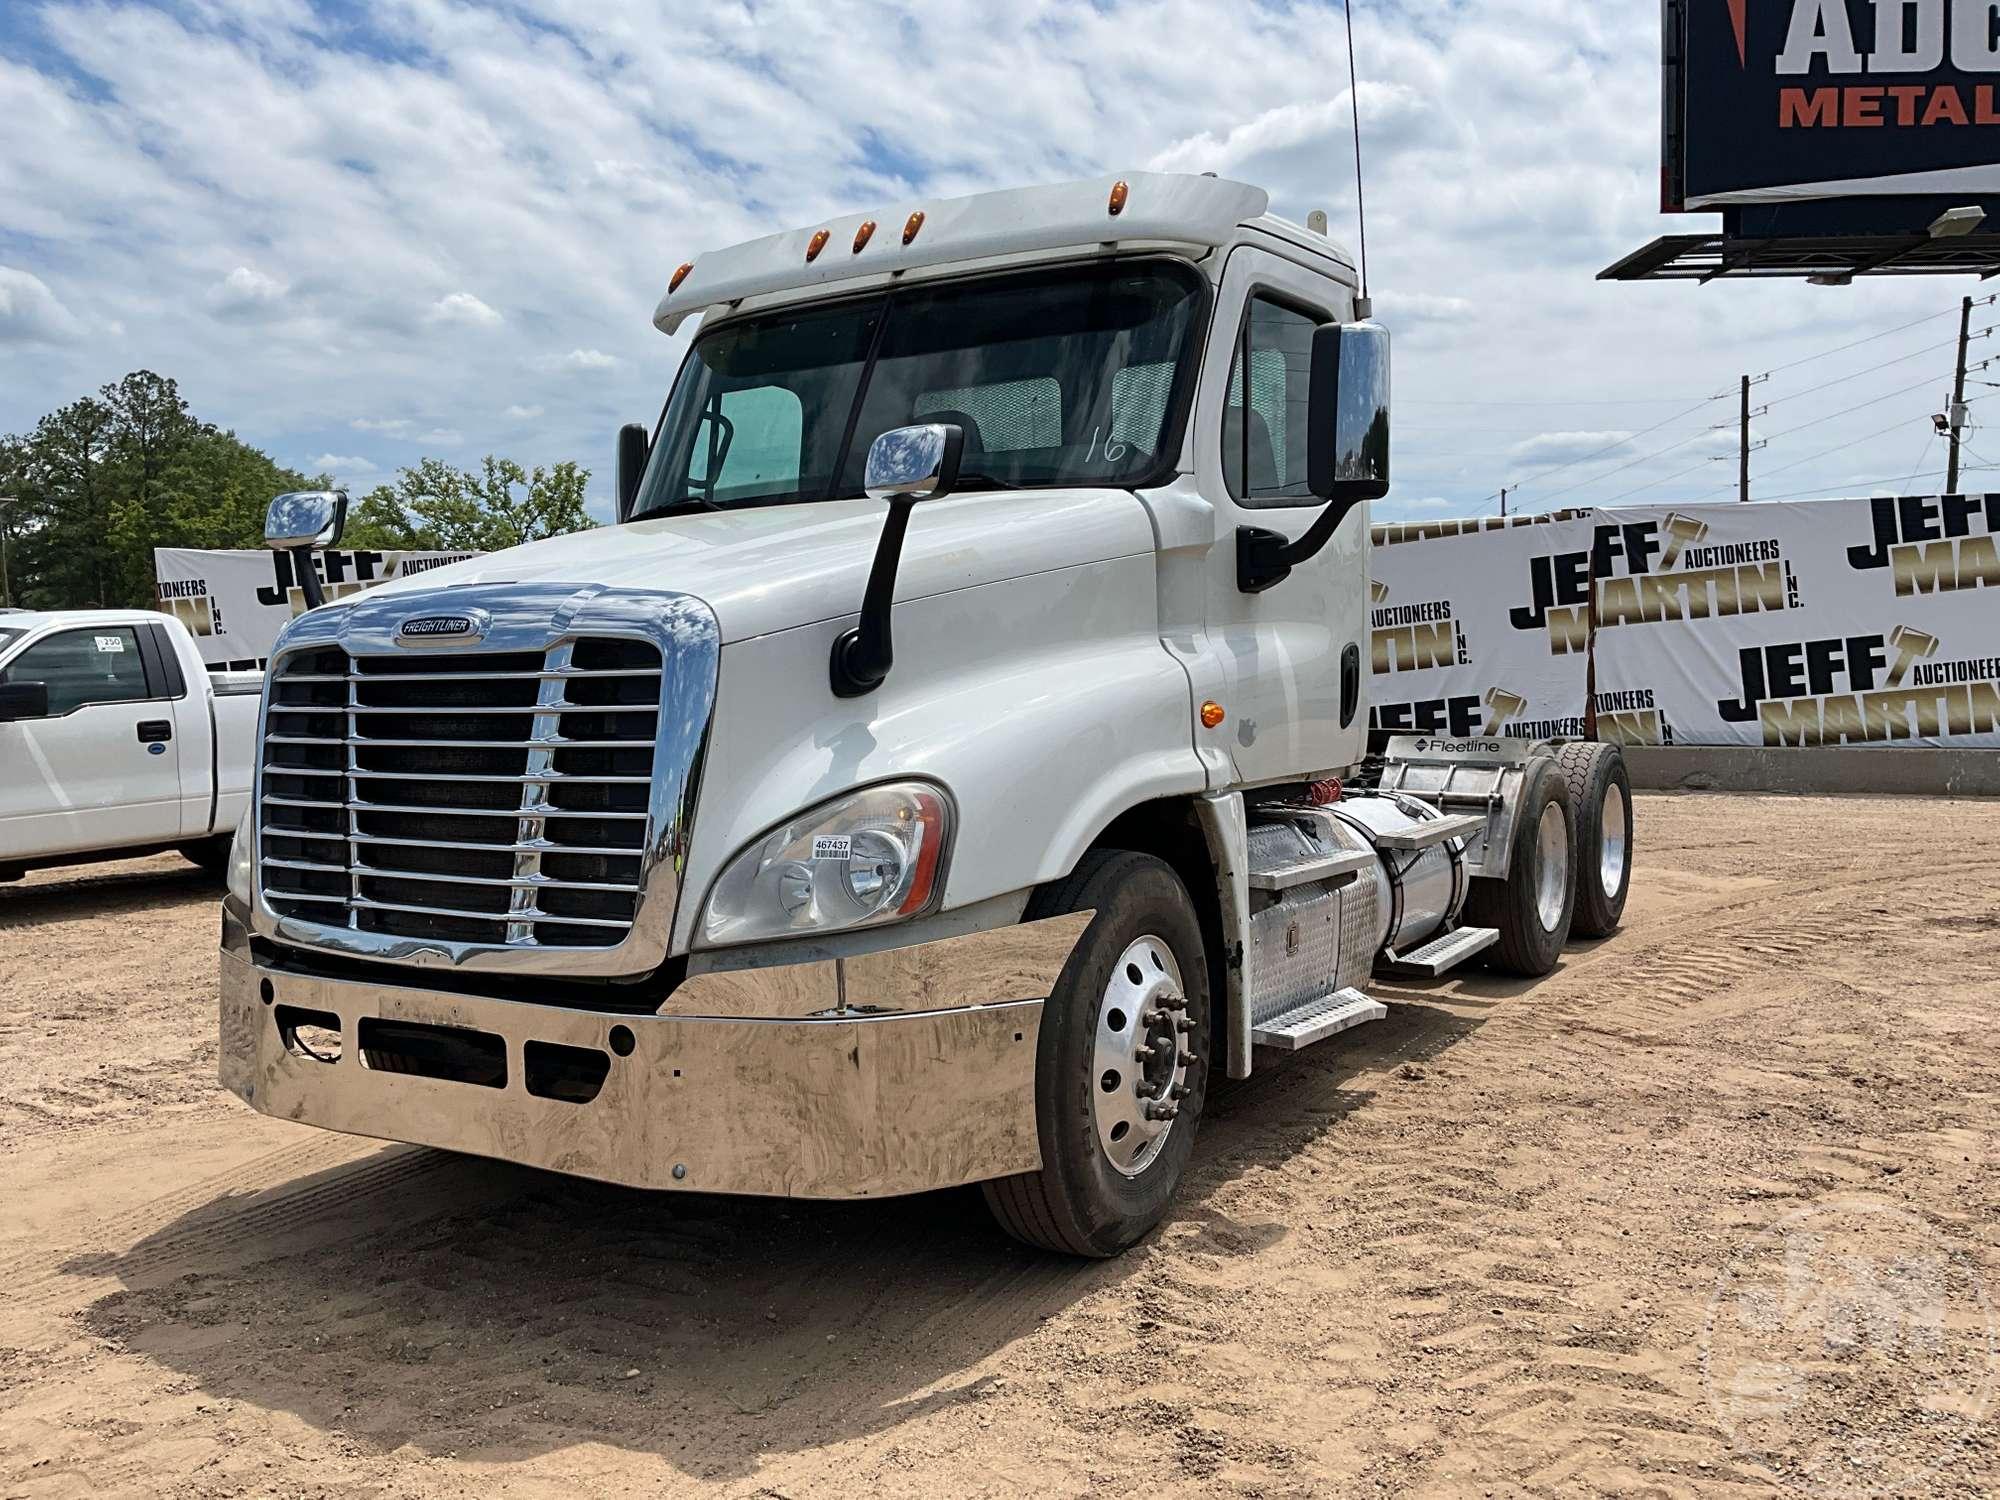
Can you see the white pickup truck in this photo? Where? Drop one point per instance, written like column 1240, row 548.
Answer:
column 115, row 740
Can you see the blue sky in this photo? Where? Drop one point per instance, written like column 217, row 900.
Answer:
column 362, row 233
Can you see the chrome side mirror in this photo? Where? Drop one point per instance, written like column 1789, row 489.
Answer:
column 916, row 463
column 305, row 518
column 297, row 522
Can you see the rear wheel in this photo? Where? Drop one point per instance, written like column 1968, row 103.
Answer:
column 1602, row 792
column 1121, row 1071
column 1533, row 907
column 211, row 855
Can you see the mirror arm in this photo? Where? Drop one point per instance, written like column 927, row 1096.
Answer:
column 308, row 576
column 1266, row 558
column 863, row 654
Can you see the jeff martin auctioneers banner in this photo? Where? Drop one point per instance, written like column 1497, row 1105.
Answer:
column 237, row 602
column 1828, row 622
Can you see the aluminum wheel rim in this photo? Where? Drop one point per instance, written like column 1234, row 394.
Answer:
column 1552, row 884
column 1140, row 1061
column 1611, row 856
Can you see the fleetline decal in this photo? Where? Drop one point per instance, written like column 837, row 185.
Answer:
column 1651, row 573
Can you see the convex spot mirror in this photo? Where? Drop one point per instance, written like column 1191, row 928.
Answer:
column 305, row 518
column 916, row 463
column 1347, row 455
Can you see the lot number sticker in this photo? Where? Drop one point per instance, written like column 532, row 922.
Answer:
column 110, row 643
column 833, row 846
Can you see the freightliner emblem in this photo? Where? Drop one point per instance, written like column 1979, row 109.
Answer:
column 425, row 630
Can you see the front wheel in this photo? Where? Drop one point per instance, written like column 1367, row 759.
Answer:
column 1121, row 1071
column 211, row 855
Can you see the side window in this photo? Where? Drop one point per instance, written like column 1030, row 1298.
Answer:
column 98, row 665
column 1264, row 421
column 749, row 443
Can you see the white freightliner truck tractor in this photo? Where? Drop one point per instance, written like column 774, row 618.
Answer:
column 955, row 756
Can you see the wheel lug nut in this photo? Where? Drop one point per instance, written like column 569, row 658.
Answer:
column 1184, row 1025
column 1178, row 1092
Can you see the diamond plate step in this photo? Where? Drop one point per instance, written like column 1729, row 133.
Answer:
column 1432, row 831
column 1441, row 954
column 1321, row 867
column 1318, row 1019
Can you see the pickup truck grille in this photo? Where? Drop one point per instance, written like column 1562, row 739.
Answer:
column 488, row 798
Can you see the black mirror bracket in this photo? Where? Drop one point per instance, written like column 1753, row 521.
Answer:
column 863, row 654
column 1265, row 559
column 307, row 576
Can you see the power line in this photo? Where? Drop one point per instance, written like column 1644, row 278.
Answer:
column 1868, row 339
column 1872, row 369
column 1611, row 448
column 1849, row 411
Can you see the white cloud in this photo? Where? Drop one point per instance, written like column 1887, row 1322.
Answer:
column 463, row 307
column 585, row 359
column 1569, row 447
column 390, row 425
column 342, row 464
column 30, row 313
column 444, row 437
column 245, row 291
column 518, row 413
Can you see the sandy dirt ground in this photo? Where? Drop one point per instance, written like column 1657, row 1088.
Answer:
column 1571, row 1238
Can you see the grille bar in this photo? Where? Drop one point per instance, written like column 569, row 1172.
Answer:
column 378, row 815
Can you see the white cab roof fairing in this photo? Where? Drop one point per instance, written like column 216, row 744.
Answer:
column 1160, row 208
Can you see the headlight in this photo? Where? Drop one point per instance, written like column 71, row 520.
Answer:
column 239, row 862
column 870, row 857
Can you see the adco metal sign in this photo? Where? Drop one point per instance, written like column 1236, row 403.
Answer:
column 1769, row 101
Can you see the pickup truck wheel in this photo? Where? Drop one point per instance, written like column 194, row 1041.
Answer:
column 211, row 855
column 1121, row 1071
column 1602, row 791
column 1533, row 907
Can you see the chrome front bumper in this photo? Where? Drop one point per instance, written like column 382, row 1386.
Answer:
column 893, row 1091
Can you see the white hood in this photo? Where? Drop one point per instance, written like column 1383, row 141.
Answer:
column 775, row 567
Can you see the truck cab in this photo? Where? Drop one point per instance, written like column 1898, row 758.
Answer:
column 957, row 751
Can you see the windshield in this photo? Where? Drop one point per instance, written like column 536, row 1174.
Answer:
column 1068, row 377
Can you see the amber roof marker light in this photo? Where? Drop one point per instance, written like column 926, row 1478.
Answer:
column 1119, row 192
column 911, row 225
column 818, row 244
column 861, row 235
column 680, row 275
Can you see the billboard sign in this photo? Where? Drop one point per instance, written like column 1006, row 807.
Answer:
column 1776, row 101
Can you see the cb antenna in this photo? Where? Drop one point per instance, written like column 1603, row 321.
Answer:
column 1364, row 305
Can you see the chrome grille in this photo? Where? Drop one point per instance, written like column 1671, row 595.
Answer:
column 490, row 798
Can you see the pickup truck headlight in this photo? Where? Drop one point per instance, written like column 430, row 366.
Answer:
column 239, row 862
column 870, row 857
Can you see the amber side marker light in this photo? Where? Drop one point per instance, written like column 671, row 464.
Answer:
column 680, row 275
column 1118, row 195
column 862, row 234
column 1212, row 714
column 911, row 225
column 818, row 244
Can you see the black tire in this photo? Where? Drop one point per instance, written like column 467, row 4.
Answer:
column 1079, row 1203
column 211, row 855
column 1527, row 945
column 1594, row 772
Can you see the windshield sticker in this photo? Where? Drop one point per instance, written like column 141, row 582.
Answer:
column 110, row 643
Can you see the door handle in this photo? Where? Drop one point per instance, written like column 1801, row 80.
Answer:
column 155, row 731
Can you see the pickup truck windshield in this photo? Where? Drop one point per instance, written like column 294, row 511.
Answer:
column 1067, row 377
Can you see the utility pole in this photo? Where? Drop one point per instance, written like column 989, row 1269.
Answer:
column 1957, row 414
column 1743, row 461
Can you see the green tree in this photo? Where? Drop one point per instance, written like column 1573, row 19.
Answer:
column 434, row 507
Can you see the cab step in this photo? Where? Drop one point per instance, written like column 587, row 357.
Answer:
column 1318, row 1019
column 1431, row 831
column 1442, row 954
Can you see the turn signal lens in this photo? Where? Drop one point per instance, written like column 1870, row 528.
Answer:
column 818, row 244
column 1118, row 194
column 911, row 225
column 1212, row 714
column 679, row 276
column 861, row 235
